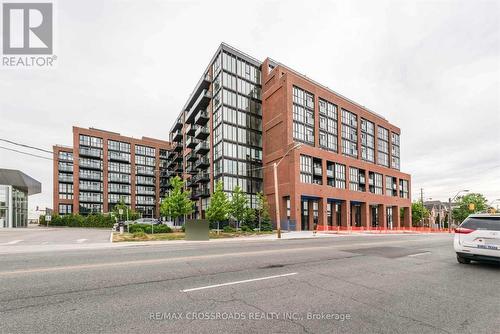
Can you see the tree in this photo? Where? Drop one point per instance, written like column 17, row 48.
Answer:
column 249, row 218
column 177, row 202
column 470, row 203
column 238, row 205
column 218, row 209
column 127, row 212
column 263, row 211
column 418, row 213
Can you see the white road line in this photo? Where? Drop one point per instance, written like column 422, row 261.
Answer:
column 237, row 282
column 13, row 242
column 418, row 254
column 81, row 240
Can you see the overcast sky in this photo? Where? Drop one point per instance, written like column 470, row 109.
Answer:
column 430, row 67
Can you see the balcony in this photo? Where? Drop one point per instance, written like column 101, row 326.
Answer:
column 143, row 171
column 90, row 164
column 177, row 125
column 145, row 192
column 177, row 136
column 201, row 118
column 145, row 181
column 191, row 142
column 202, row 132
column 90, row 198
column 190, row 169
column 91, row 176
column 191, row 129
column 90, row 152
column 177, row 147
column 203, row 192
column 202, row 163
column 119, row 178
column 178, row 168
column 118, row 156
column 202, row 148
column 65, row 178
column 191, row 157
column 118, row 189
column 199, row 94
column 201, row 178
column 91, row 187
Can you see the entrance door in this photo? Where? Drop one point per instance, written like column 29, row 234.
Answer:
column 3, row 218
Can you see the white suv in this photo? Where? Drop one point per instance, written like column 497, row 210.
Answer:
column 478, row 238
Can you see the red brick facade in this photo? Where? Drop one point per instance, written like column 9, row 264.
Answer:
column 277, row 134
column 105, row 136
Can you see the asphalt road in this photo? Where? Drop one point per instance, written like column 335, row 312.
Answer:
column 351, row 284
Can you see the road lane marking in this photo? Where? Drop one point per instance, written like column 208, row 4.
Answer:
column 237, row 282
column 193, row 257
column 418, row 254
column 13, row 242
column 81, row 240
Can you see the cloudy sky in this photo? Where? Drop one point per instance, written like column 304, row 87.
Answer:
column 430, row 67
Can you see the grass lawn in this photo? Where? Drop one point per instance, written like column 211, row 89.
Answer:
column 180, row 236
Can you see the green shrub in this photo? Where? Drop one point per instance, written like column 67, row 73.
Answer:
column 75, row 220
column 146, row 228
column 266, row 226
column 246, row 228
column 229, row 229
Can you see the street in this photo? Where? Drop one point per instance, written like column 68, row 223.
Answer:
column 355, row 284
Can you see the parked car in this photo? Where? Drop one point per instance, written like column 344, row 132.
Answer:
column 147, row 221
column 478, row 238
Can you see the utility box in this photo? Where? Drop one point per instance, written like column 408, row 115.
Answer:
column 197, row 229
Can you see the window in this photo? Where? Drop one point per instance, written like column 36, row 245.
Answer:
column 118, row 146
column 65, row 191
column 375, row 183
column 353, row 179
column 383, row 146
column 90, row 141
column 303, row 116
column 306, row 166
column 349, row 133
column 339, row 176
column 367, row 140
column 65, row 209
column 390, row 186
column 145, row 150
column 403, row 189
column 328, row 125
column 395, row 151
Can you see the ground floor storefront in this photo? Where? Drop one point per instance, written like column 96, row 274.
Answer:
column 304, row 213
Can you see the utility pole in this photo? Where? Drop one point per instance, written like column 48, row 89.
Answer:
column 422, row 201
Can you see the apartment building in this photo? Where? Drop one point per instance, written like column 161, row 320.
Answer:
column 218, row 133
column 102, row 167
column 339, row 163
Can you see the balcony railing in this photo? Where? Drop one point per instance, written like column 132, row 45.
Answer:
column 202, row 132
column 202, row 147
column 91, row 152
column 201, row 118
column 202, row 163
